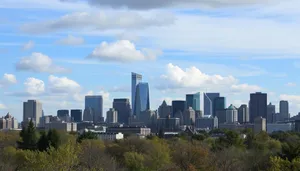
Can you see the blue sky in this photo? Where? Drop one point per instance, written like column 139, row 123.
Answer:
column 58, row 52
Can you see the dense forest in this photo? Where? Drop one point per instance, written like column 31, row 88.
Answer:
column 52, row 150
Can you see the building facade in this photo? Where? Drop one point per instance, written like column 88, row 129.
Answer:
column 76, row 115
column 260, row 125
column 88, row 114
column 219, row 104
column 231, row 114
column 189, row 116
column 110, row 136
column 207, row 123
column 271, row 110
column 142, row 98
column 243, row 114
column 32, row 109
column 63, row 113
column 193, row 101
column 209, row 102
column 112, row 116
column 164, row 110
column 96, row 103
column 135, row 80
column 168, row 124
column 258, row 105
column 61, row 126
column 130, row 130
column 178, row 105
column 284, row 110
column 122, row 106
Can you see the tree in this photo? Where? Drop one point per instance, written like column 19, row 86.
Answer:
column 29, row 137
column 87, row 135
column 43, row 143
column 134, row 161
column 53, row 138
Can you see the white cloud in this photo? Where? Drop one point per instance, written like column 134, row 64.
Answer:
column 34, row 86
column 29, row 45
column 122, row 51
column 63, row 85
column 39, row 62
column 290, row 84
column 71, row 40
column 8, row 79
column 245, row 88
column 99, row 21
column 2, row 106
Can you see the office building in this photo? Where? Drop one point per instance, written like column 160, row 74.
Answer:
column 207, row 123
column 179, row 115
column 76, row 115
column 63, row 113
column 189, row 116
column 258, row 105
column 135, row 80
column 221, row 115
column 271, row 110
column 104, row 136
column 209, row 102
column 112, row 116
column 142, row 99
column 61, row 126
column 219, row 104
column 88, row 114
column 193, row 100
column 178, row 105
column 122, row 106
column 259, row 125
column 96, row 103
column 148, row 117
column 284, row 110
column 130, row 130
column 297, row 125
column 274, row 127
column 32, row 109
column 243, row 114
column 231, row 114
column 164, row 110
column 168, row 124
column 8, row 122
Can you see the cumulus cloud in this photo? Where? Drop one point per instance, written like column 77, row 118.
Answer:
column 193, row 78
column 99, row 21
column 122, row 51
column 290, row 84
column 71, row 40
column 39, row 62
column 8, row 79
column 29, row 45
column 34, row 86
column 63, row 85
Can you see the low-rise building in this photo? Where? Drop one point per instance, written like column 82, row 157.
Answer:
column 168, row 124
column 8, row 122
column 62, row 126
column 273, row 127
column 207, row 123
column 130, row 130
column 110, row 136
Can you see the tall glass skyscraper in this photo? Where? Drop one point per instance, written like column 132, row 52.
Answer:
column 178, row 106
column 284, row 110
column 193, row 100
column 219, row 105
column 96, row 104
column 142, row 99
column 258, row 105
column 135, row 80
column 122, row 106
column 209, row 102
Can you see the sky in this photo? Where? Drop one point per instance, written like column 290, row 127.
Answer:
column 58, row 51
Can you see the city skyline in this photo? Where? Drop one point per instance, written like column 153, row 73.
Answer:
column 59, row 51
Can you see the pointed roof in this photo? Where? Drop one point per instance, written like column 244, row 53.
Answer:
column 231, row 107
column 164, row 103
column 7, row 116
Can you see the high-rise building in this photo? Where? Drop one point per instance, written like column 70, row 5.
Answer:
column 189, row 116
column 88, row 114
column 164, row 110
column 32, row 109
column 259, row 125
column 258, row 105
column 76, row 115
column 122, row 106
column 231, row 114
column 148, row 117
column 96, row 103
column 178, row 105
column 62, row 113
column 135, row 80
column 209, row 102
column 112, row 116
column 219, row 104
column 193, row 100
column 284, row 110
column 270, row 113
column 142, row 99
column 243, row 114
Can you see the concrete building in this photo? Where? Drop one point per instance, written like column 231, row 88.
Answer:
column 130, row 130
column 209, row 102
column 88, row 114
column 258, row 105
column 207, row 123
column 231, row 114
column 61, row 126
column 76, row 115
column 168, row 124
column 284, row 110
column 259, row 125
column 135, row 80
column 193, row 101
column 178, row 105
column 32, row 109
column 243, row 114
column 96, row 103
column 122, row 106
column 104, row 136
column 189, row 116
column 271, row 110
column 112, row 116
column 273, row 127
column 148, row 117
column 164, row 110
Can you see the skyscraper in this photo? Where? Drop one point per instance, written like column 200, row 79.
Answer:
column 258, row 105
column 122, row 106
column 284, row 110
column 193, row 100
column 270, row 113
column 189, row 116
column 178, row 105
column 96, row 103
column 231, row 114
column 164, row 110
column 88, row 114
column 243, row 114
column 112, row 116
column 209, row 102
column 62, row 113
column 142, row 99
column 135, row 80
column 219, row 104
column 76, row 115
column 32, row 109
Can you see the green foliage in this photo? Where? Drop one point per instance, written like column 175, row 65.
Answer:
column 29, row 137
column 134, row 161
column 87, row 135
column 230, row 139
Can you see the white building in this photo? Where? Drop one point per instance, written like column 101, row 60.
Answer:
column 231, row 114
column 112, row 116
column 62, row 126
column 110, row 136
